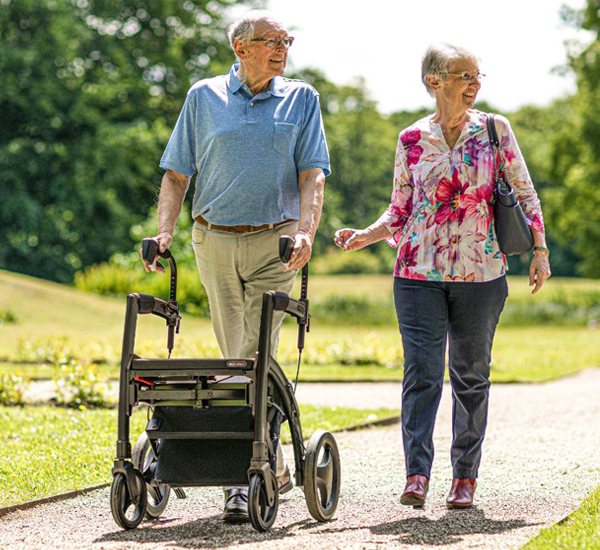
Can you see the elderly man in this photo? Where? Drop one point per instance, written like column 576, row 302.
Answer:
column 257, row 144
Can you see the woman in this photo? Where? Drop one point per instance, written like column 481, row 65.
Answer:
column 450, row 274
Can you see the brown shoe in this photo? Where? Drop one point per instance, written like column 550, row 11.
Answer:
column 415, row 491
column 461, row 493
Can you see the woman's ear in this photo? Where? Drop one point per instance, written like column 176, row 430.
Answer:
column 434, row 81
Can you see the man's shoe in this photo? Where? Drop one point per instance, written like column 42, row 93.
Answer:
column 284, row 481
column 461, row 493
column 415, row 491
column 236, row 505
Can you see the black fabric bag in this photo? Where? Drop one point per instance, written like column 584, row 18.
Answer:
column 514, row 235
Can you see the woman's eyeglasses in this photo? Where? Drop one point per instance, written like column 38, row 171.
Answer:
column 467, row 76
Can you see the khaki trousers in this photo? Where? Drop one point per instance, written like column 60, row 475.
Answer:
column 236, row 269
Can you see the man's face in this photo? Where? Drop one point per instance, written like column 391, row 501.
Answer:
column 266, row 55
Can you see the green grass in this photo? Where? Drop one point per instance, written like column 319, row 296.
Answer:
column 50, row 450
column 580, row 530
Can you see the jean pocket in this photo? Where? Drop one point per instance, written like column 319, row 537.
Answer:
column 284, row 137
column 198, row 234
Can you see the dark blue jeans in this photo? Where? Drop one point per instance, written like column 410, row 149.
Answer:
column 466, row 314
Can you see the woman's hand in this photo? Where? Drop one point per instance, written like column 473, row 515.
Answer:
column 351, row 239
column 539, row 271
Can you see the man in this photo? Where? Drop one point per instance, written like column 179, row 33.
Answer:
column 257, row 142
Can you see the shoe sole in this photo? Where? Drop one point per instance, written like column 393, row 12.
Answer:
column 458, row 506
column 286, row 487
column 236, row 518
column 412, row 500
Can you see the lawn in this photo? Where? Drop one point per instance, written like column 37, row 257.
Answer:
column 50, row 450
column 580, row 530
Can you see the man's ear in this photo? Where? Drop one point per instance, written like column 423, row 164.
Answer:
column 240, row 48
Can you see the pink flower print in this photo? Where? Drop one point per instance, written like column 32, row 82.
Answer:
column 407, row 256
column 470, row 278
column 450, row 194
column 410, row 139
column 479, row 208
column 401, row 208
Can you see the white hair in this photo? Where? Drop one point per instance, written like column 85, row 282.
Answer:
column 437, row 59
column 243, row 28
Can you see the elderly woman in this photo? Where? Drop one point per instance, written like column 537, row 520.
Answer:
column 450, row 274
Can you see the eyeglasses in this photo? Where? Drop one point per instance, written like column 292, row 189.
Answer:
column 467, row 76
column 274, row 43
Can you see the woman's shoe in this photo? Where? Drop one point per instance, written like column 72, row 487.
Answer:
column 415, row 491
column 461, row 493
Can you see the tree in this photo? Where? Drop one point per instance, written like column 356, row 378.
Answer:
column 91, row 90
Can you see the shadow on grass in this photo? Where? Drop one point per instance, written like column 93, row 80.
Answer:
column 211, row 532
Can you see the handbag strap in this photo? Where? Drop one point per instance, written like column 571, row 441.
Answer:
column 498, row 159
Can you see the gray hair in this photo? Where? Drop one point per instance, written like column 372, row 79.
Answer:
column 243, row 28
column 437, row 59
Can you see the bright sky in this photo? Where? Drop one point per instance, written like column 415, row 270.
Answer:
column 517, row 41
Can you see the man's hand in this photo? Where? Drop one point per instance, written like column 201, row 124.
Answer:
column 164, row 242
column 302, row 251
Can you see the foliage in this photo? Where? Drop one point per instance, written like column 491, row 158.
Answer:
column 12, row 389
column 79, row 386
column 80, row 451
column 7, row 316
column 580, row 530
column 90, row 92
column 353, row 310
column 336, row 262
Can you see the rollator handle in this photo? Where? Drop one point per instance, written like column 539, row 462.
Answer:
column 286, row 247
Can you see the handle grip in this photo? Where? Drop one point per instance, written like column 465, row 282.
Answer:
column 286, row 246
column 150, row 249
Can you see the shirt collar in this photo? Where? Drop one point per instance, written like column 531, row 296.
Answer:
column 276, row 86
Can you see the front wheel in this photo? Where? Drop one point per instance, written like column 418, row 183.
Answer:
column 144, row 459
column 262, row 515
column 127, row 514
column 322, row 475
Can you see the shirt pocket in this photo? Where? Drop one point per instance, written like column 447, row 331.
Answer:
column 284, row 137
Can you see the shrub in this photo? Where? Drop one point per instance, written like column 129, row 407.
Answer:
column 12, row 389
column 113, row 280
column 337, row 262
column 353, row 310
column 7, row 317
column 79, row 386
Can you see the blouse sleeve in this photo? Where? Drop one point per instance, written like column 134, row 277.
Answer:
column 518, row 175
column 397, row 213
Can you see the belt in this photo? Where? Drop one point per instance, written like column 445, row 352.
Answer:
column 239, row 228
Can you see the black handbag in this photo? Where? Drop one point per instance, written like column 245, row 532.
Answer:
column 512, row 231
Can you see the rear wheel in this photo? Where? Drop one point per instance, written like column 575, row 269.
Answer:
column 144, row 459
column 322, row 475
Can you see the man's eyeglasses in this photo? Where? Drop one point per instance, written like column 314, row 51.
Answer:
column 467, row 76
column 274, row 43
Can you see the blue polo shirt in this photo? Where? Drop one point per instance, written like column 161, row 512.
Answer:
column 247, row 150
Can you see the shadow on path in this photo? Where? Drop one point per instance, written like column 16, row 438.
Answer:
column 211, row 532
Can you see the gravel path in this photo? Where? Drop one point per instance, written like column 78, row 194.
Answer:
column 540, row 460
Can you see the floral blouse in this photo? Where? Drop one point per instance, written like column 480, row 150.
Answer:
column 441, row 214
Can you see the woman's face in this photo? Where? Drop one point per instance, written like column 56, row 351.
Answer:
column 461, row 85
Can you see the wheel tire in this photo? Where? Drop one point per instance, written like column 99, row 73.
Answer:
column 120, row 501
column 142, row 459
column 322, row 475
column 262, row 516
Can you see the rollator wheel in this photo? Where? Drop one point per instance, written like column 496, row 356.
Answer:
column 144, row 460
column 322, row 475
column 262, row 516
column 127, row 514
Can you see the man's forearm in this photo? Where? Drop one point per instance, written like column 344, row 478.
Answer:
column 173, row 188
column 311, row 184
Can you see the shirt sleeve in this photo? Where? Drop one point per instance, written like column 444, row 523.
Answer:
column 518, row 175
column 311, row 147
column 401, row 205
column 180, row 154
